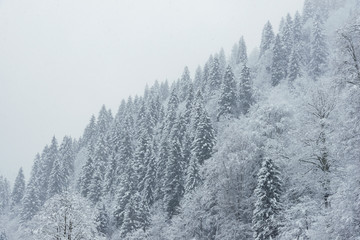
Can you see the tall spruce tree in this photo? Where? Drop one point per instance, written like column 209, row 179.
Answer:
column 242, row 52
column 268, row 202
column 279, row 64
column 174, row 183
column 245, row 90
column 214, row 76
column 227, row 104
column 18, row 189
column 204, row 140
column 319, row 50
column 267, row 38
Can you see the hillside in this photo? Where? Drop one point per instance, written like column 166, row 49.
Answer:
column 259, row 146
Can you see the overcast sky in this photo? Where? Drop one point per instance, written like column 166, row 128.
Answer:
column 60, row 60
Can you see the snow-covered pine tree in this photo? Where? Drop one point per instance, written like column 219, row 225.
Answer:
column 18, row 189
column 86, row 177
column 193, row 177
column 174, row 182
column 4, row 195
column 279, row 64
column 31, row 202
column 198, row 78
column 103, row 221
column 185, row 83
column 222, row 61
column 136, row 215
column 56, row 179
column 89, row 135
column 287, row 39
column 308, row 10
column 242, row 52
column 214, row 76
column 319, row 50
column 246, row 98
column 268, row 201
column 294, row 70
column 204, row 140
column 267, row 38
column 66, row 157
column 227, row 104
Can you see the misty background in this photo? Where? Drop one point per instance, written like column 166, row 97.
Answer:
column 60, row 60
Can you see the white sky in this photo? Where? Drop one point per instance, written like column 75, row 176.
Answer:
column 60, row 60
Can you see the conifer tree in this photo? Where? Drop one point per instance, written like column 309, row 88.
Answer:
column 89, row 135
column 86, row 177
column 173, row 184
column 242, row 52
column 193, row 178
column 198, row 78
column 267, row 38
column 214, row 76
column 31, row 203
column 103, row 221
column 245, row 91
column 227, row 103
column 95, row 187
column 126, row 189
column 185, row 83
column 279, row 64
column 222, row 61
column 308, row 10
column 294, row 70
column 56, row 179
column 136, row 216
column 204, row 140
column 319, row 51
column 4, row 195
column 66, row 157
column 268, row 202
column 18, row 189
column 287, row 39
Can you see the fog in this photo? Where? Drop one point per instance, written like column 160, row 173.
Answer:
column 60, row 60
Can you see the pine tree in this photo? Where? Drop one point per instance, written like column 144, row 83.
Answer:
column 56, row 179
column 267, row 38
column 268, row 202
column 89, row 135
column 126, row 189
column 136, row 216
column 214, row 76
column 294, row 70
column 95, row 187
column 287, row 38
column 308, row 10
column 204, row 139
column 222, row 61
column 242, row 52
column 279, row 64
column 173, row 184
column 4, row 195
column 193, row 178
column 31, row 203
column 66, row 157
column 103, row 221
column 245, row 91
column 198, row 78
column 319, row 51
column 148, row 182
column 18, row 189
column 86, row 177
column 185, row 83
column 227, row 102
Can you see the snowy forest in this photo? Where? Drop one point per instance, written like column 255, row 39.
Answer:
column 253, row 145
